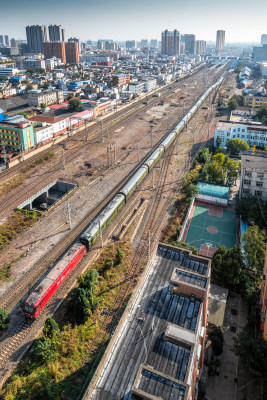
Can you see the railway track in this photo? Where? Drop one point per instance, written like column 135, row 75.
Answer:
column 30, row 189
column 74, row 153
column 11, row 298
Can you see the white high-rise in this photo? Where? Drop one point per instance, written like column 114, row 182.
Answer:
column 220, row 41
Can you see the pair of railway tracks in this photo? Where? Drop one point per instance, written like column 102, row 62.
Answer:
column 74, row 153
column 140, row 254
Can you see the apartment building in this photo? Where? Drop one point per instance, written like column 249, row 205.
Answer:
column 36, row 36
column 31, row 63
column 263, row 300
column 137, row 87
column 16, row 137
column 46, row 97
column 253, row 179
column 170, row 43
column 72, row 52
column 255, row 101
column 55, row 49
column 120, row 79
column 220, row 41
column 252, row 133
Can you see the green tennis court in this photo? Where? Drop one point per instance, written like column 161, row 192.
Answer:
column 211, row 227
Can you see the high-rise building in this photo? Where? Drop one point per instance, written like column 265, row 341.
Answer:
column 201, row 47
column 170, row 43
column 143, row 43
column 220, row 41
column 7, row 40
column 36, row 36
column 4, row 40
column 55, row 49
column 72, row 52
column 100, row 44
column 263, row 39
column 153, row 42
column 189, row 41
column 77, row 41
column 131, row 44
column 56, row 33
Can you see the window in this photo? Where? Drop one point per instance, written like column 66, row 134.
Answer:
column 242, row 136
column 246, row 192
column 238, row 136
column 260, row 175
column 247, row 182
column 258, row 193
column 243, row 130
column 259, row 184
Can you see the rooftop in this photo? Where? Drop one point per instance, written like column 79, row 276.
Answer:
column 254, row 161
column 154, row 349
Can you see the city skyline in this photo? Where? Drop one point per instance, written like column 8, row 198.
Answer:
column 141, row 20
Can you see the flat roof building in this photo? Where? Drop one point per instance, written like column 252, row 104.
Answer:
column 55, row 49
column 220, row 41
column 170, row 43
column 253, row 179
column 159, row 349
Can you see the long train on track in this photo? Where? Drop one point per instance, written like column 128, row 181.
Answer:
column 50, row 283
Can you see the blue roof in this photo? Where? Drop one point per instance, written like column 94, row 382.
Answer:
column 209, row 189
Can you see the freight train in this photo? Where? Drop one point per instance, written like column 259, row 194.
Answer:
column 51, row 282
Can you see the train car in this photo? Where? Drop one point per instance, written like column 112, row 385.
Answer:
column 51, row 282
column 168, row 140
column 155, row 156
column 135, row 180
column 102, row 219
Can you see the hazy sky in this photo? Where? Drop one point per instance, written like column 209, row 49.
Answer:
column 243, row 21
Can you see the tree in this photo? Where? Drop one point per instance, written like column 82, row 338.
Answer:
column 43, row 106
column 46, row 85
column 219, row 158
column 81, row 307
column 109, row 263
column 215, row 172
column 44, row 351
column 232, row 104
column 227, row 266
column 262, row 115
column 28, row 87
column 253, row 351
column 119, row 256
column 50, row 328
column 75, row 105
column 216, row 338
column 236, row 145
column 218, row 141
column 4, row 319
column 190, row 190
column 254, row 247
column 203, row 156
column 252, row 210
column 233, row 168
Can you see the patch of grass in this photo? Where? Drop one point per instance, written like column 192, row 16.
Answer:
column 16, row 223
column 78, row 349
column 48, row 156
column 173, row 229
column 10, row 184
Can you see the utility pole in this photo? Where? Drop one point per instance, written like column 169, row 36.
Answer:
column 108, row 156
column 68, row 207
column 63, row 159
column 115, row 155
column 102, row 129
column 100, row 230
column 138, row 152
column 148, row 246
column 152, row 178
column 86, row 130
column 151, row 137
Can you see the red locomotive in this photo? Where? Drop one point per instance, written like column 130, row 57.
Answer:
column 47, row 287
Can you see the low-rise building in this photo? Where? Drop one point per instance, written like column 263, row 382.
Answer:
column 158, row 350
column 8, row 72
column 120, row 79
column 255, row 101
column 46, row 97
column 31, row 63
column 17, row 137
column 150, row 84
column 58, row 124
column 137, row 87
column 253, row 179
column 252, row 133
